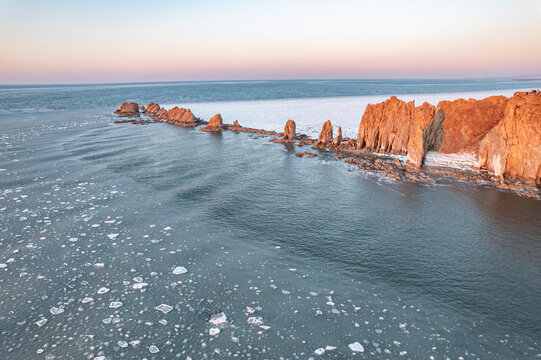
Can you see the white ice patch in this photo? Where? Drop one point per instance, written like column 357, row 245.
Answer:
column 319, row 351
column 87, row 300
column 179, row 270
column 356, row 347
column 153, row 349
column 112, row 236
column 164, row 308
column 214, row 331
column 255, row 320
column 218, row 319
column 41, row 322
column 103, row 290
column 55, row 311
column 115, row 304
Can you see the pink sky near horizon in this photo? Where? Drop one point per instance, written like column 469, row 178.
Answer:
column 69, row 42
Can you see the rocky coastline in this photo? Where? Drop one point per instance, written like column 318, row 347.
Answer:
column 502, row 134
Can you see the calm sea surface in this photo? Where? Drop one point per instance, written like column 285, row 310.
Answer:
column 122, row 241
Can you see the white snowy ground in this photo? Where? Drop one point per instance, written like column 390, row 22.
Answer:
column 309, row 114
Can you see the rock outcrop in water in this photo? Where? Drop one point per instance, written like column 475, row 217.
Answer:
column 512, row 149
column 215, row 124
column 325, row 137
column 504, row 134
column 128, row 109
column 289, row 133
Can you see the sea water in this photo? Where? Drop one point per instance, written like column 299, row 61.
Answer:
column 158, row 242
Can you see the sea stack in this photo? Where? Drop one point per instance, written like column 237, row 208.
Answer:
column 325, row 137
column 338, row 139
column 289, row 131
column 215, row 124
column 128, row 109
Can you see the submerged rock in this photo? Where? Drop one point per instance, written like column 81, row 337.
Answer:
column 215, row 124
column 305, row 154
column 128, row 109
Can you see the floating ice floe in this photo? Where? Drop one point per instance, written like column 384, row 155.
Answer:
column 319, row 351
column 115, row 304
column 218, row 319
column 103, row 290
column 99, row 265
column 255, row 320
column 164, row 308
column 153, row 349
column 73, row 239
column 356, row 347
column 3, row 266
column 55, row 311
column 179, row 270
column 41, row 322
column 112, row 236
column 214, row 331
column 330, row 348
column 122, row 343
column 139, row 286
column 87, row 300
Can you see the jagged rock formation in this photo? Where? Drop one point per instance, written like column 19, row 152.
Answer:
column 385, row 127
column 338, row 139
column 215, row 124
column 180, row 116
column 289, row 133
column 426, row 134
column 468, row 121
column 151, row 108
column 325, row 137
column 128, row 109
column 512, row 148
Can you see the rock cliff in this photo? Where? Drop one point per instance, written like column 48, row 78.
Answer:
column 512, row 148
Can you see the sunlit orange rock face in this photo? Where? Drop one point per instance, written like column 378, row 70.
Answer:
column 385, row 126
column 180, row 116
column 151, row 108
column 215, row 124
column 398, row 127
column 325, row 137
column 468, row 121
column 338, row 139
column 128, row 109
column 289, row 130
column 512, row 148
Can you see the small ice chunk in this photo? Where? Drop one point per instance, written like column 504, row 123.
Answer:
column 73, row 239
column 87, row 300
column 99, row 265
column 214, row 331
column 115, row 304
column 218, row 319
column 103, row 290
column 356, row 347
column 255, row 320
column 179, row 270
column 138, row 279
column 153, row 349
column 122, row 343
column 330, row 348
column 41, row 322
column 139, row 286
column 319, row 351
column 3, row 266
column 55, row 311
column 134, row 343
column 112, row 236
column 164, row 308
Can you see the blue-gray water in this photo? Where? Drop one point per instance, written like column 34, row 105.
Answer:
column 323, row 255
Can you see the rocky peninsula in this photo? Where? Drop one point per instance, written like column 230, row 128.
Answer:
column 502, row 134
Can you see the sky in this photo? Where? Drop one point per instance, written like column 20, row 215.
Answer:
column 75, row 41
